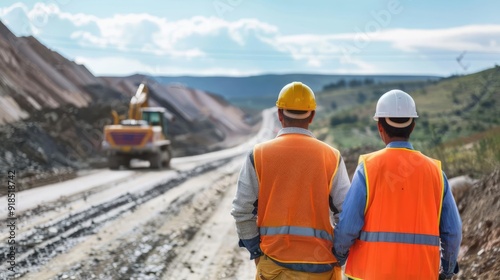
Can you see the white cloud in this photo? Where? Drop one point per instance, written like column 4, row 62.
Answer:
column 143, row 32
column 474, row 38
column 114, row 65
column 12, row 8
column 350, row 48
column 206, row 39
column 240, row 29
column 16, row 16
column 315, row 49
column 120, row 66
column 210, row 71
column 89, row 38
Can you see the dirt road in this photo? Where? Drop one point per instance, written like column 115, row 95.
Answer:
column 133, row 224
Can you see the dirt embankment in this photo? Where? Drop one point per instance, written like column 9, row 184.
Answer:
column 480, row 209
column 53, row 144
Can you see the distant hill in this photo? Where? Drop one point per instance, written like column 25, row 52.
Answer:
column 458, row 115
column 261, row 91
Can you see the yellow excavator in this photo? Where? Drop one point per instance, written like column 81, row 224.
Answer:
column 140, row 136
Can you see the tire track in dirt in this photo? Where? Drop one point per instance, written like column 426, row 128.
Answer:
column 213, row 252
column 149, row 250
column 45, row 242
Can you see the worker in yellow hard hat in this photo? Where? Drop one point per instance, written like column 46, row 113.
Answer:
column 290, row 190
column 400, row 220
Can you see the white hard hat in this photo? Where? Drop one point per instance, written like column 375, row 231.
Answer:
column 396, row 104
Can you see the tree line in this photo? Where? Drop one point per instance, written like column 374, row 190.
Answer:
column 343, row 83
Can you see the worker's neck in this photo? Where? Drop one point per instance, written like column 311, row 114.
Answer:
column 394, row 139
column 297, row 126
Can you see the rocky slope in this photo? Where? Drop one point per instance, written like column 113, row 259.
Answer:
column 33, row 77
column 52, row 112
column 479, row 208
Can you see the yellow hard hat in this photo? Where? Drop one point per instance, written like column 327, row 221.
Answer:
column 296, row 96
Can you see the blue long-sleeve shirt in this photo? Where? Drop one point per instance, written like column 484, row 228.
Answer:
column 352, row 219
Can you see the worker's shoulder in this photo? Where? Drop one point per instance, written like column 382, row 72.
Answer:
column 264, row 143
column 325, row 145
column 369, row 156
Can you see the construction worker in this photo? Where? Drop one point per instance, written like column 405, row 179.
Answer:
column 399, row 209
column 290, row 190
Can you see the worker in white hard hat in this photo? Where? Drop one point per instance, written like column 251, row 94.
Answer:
column 290, row 191
column 399, row 220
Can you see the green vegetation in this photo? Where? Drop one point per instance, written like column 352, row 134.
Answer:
column 459, row 118
column 475, row 155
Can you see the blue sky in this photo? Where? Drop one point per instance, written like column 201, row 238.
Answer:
column 251, row 37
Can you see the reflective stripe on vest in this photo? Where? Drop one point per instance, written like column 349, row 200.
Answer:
column 302, row 231
column 396, row 237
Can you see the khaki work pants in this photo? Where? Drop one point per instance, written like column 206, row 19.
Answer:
column 269, row 270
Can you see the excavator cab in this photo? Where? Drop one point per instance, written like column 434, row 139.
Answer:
column 155, row 117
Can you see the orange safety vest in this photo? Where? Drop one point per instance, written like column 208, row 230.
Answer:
column 295, row 174
column 400, row 236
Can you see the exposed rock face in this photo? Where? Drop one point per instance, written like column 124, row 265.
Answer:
column 480, row 208
column 33, row 77
column 52, row 111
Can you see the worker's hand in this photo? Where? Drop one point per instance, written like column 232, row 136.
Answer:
column 341, row 259
column 443, row 277
column 256, row 260
column 340, row 263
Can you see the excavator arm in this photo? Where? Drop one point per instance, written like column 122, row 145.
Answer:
column 138, row 101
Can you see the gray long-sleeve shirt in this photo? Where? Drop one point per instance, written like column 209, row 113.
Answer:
column 244, row 203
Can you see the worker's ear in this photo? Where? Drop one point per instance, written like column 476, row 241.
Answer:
column 383, row 134
column 412, row 126
column 280, row 115
column 380, row 127
column 313, row 113
column 381, row 131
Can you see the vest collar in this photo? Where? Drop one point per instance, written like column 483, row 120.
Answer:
column 400, row 144
column 295, row 130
